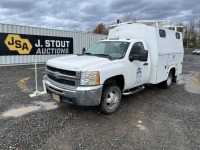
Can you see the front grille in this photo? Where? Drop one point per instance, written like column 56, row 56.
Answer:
column 61, row 81
column 64, row 72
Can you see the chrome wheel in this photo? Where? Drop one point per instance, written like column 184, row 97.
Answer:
column 166, row 84
column 169, row 79
column 112, row 99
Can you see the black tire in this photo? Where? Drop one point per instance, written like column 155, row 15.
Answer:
column 174, row 79
column 166, row 84
column 110, row 107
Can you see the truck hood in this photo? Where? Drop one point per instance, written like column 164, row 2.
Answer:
column 77, row 63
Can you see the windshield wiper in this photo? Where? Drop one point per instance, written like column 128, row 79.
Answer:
column 100, row 55
column 87, row 53
column 104, row 55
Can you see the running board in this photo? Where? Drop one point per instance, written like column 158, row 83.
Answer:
column 134, row 91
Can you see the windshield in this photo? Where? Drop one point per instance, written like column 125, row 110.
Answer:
column 110, row 49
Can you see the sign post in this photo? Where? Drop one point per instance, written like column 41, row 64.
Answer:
column 37, row 93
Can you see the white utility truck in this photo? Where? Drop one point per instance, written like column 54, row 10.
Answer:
column 134, row 54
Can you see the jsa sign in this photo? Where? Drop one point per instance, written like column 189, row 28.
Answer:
column 21, row 44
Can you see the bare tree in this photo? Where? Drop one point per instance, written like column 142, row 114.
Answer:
column 199, row 33
column 192, row 33
column 185, row 37
column 127, row 17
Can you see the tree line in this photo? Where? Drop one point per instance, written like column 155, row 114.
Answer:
column 191, row 34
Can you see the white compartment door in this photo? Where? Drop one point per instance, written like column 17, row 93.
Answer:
column 162, row 68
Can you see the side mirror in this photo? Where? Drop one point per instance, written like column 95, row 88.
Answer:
column 83, row 50
column 143, row 55
column 131, row 58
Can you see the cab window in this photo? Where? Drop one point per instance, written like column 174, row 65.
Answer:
column 137, row 47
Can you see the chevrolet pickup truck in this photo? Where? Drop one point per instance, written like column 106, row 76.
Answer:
column 133, row 55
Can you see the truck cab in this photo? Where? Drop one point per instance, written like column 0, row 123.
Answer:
column 133, row 55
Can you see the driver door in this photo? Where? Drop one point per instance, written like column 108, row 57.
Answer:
column 138, row 70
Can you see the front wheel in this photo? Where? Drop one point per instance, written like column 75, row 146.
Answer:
column 111, row 99
column 166, row 84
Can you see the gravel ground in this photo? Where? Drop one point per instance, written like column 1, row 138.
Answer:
column 154, row 118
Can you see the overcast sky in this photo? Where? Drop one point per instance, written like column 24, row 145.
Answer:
column 84, row 15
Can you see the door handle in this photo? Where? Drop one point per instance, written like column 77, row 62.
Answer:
column 145, row 64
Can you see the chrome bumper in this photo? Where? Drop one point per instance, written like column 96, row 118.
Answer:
column 82, row 96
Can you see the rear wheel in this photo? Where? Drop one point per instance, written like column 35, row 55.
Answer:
column 111, row 99
column 166, row 84
column 174, row 79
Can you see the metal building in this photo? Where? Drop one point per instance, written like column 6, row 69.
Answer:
column 80, row 40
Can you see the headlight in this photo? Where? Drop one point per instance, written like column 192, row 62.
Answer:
column 90, row 78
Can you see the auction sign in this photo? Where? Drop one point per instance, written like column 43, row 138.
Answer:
column 23, row 44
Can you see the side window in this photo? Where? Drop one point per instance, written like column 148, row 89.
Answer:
column 162, row 33
column 177, row 35
column 141, row 45
column 137, row 47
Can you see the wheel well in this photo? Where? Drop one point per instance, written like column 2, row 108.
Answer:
column 173, row 71
column 118, row 80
